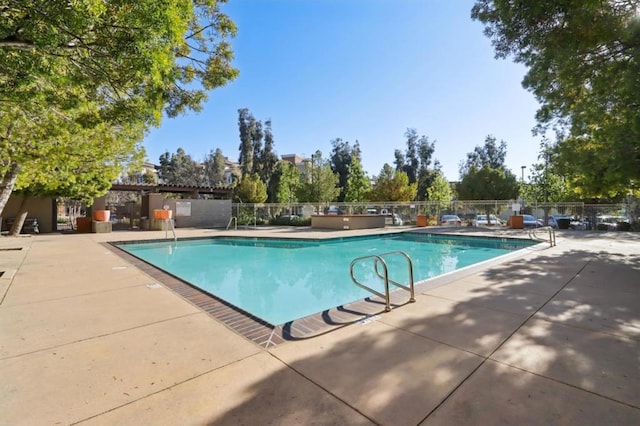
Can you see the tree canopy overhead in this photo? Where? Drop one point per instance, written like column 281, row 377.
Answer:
column 88, row 69
column 128, row 56
column 584, row 68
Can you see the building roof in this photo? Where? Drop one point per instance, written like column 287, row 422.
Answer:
column 218, row 190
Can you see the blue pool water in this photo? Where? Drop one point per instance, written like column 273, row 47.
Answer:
column 281, row 280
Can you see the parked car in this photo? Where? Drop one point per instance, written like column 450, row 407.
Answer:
column 481, row 220
column 611, row 223
column 579, row 224
column 450, row 219
column 559, row 221
column 530, row 221
column 333, row 210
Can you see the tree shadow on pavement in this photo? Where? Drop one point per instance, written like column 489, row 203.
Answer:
column 550, row 338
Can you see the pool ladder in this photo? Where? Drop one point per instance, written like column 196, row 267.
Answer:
column 233, row 220
column 379, row 260
column 552, row 235
column 169, row 225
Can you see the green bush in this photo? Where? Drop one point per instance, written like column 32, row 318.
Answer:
column 290, row 221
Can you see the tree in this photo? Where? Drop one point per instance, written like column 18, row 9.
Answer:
column 111, row 52
column 392, row 185
column 342, row 156
column 416, row 162
column 180, row 169
column 593, row 170
column 584, row 62
column 289, row 182
column 256, row 141
column 490, row 155
column 358, row 184
column 440, row 191
column 484, row 175
column 251, row 189
column 247, row 128
column 267, row 159
column 488, row 184
column 214, row 168
column 546, row 183
column 32, row 162
column 98, row 71
column 254, row 157
column 320, row 183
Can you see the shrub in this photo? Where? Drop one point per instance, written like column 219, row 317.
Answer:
column 290, row 221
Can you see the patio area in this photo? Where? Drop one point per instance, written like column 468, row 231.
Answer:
column 550, row 336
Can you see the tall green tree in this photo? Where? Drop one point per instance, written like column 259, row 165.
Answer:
column 342, row 156
column 256, row 158
column 484, row 175
column 96, row 69
column 247, row 129
column 393, row 185
column 214, row 168
column 251, row 189
column 545, row 182
column 440, row 192
column 320, row 183
column 256, row 144
column 416, row 161
column 358, row 183
column 267, row 161
column 584, row 61
column 486, row 183
column 289, row 182
column 593, row 170
column 180, row 169
column 490, row 154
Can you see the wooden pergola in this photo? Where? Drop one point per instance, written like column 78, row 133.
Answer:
column 221, row 192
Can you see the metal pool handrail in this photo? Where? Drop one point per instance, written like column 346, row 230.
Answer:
column 233, row 220
column 173, row 229
column 552, row 235
column 378, row 260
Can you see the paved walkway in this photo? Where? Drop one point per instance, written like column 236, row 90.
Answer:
column 549, row 337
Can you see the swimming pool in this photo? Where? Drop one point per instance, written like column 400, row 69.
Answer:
column 281, row 280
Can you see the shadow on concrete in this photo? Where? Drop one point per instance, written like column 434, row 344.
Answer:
column 549, row 365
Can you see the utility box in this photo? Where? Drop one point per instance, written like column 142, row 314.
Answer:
column 516, row 222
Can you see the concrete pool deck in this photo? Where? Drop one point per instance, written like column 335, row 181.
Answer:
column 551, row 336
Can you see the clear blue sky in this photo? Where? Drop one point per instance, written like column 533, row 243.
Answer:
column 362, row 70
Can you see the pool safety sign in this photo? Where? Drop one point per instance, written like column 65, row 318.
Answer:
column 183, row 208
